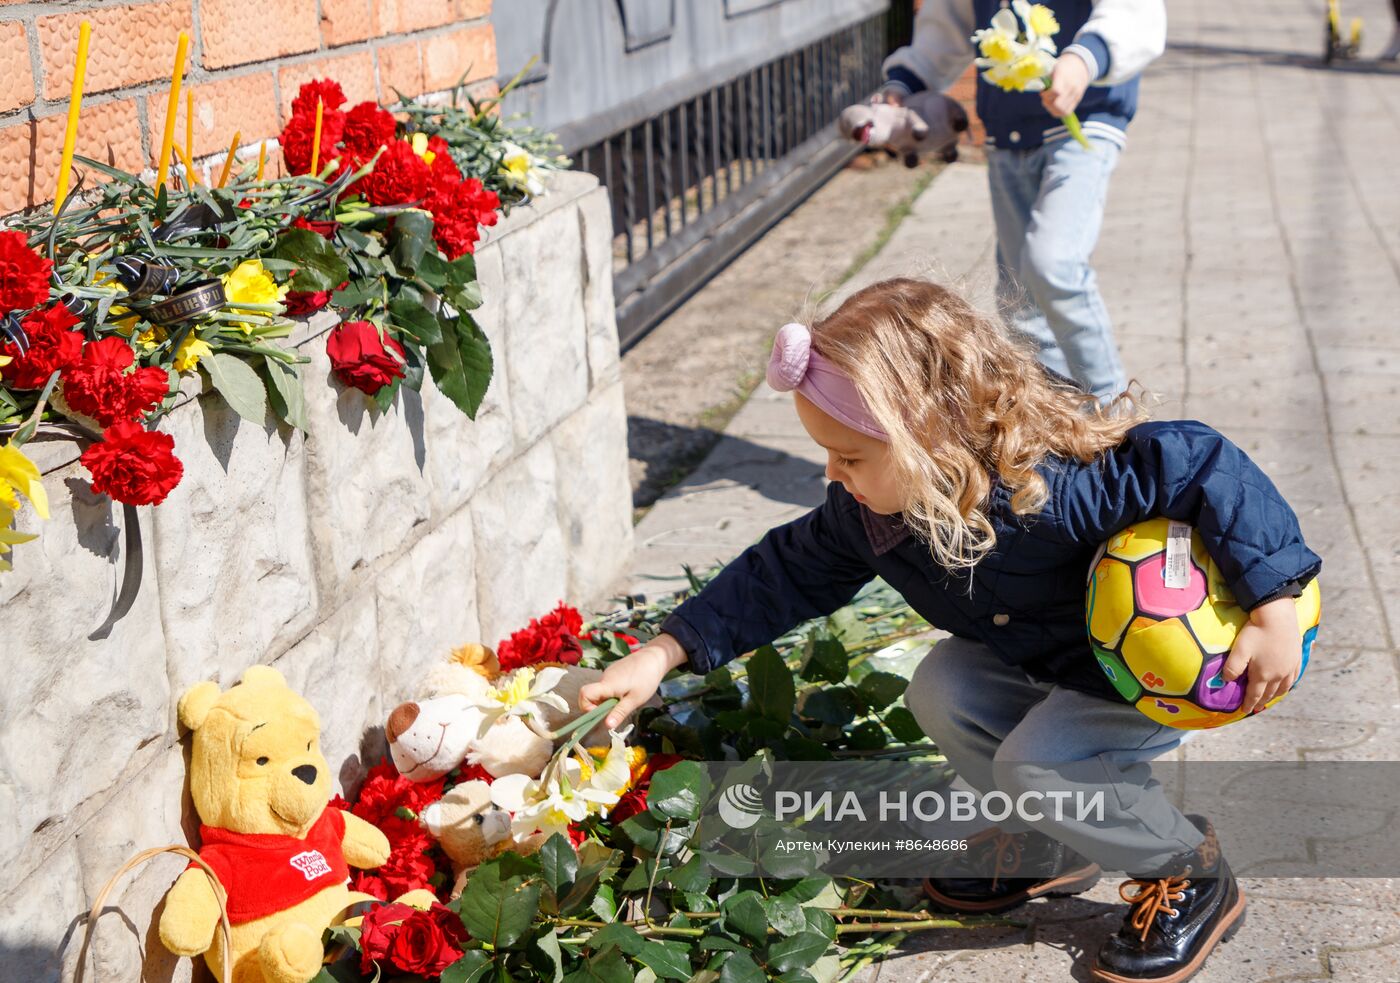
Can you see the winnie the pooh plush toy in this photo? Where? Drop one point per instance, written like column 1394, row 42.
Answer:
column 261, row 787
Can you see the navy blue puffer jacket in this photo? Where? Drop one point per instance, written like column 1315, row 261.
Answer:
column 1027, row 595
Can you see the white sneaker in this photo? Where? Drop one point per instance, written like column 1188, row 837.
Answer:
column 1392, row 50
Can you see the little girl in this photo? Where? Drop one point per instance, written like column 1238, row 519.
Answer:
column 979, row 486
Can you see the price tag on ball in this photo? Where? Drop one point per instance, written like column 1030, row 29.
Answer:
column 1177, row 571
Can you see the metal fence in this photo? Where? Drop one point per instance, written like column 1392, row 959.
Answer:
column 695, row 183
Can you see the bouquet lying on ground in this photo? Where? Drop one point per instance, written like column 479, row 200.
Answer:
column 106, row 308
column 618, row 891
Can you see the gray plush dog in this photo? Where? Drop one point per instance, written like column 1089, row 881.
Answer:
column 927, row 122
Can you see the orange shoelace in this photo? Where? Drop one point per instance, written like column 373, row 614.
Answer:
column 1152, row 896
column 1007, row 844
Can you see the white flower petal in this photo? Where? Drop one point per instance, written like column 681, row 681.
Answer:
column 510, row 791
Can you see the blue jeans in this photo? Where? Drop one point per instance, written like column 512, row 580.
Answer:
column 1048, row 205
column 1002, row 730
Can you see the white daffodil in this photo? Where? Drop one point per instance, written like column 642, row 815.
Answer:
column 569, row 791
column 525, row 693
column 520, row 169
column 1040, row 22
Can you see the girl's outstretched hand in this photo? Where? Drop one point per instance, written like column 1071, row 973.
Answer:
column 1271, row 647
column 634, row 678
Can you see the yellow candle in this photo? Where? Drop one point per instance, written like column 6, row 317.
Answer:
column 191, row 178
column 75, row 105
column 262, row 159
column 316, row 141
column 172, row 108
column 228, row 161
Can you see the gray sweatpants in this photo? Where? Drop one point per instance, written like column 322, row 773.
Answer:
column 1002, row 730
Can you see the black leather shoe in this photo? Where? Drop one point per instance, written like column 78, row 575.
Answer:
column 1178, row 915
column 1021, row 866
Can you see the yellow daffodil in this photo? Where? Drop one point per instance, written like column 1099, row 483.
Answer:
column 20, row 476
column 1027, row 73
column 1039, row 19
column 420, row 147
column 997, row 47
column 249, row 283
column 5, row 360
column 8, row 537
column 192, row 349
column 563, row 794
column 520, row 169
column 524, row 693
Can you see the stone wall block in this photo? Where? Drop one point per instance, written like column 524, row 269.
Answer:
column 595, row 503
column 154, row 809
column 366, row 482
column 233, row 537
column 426, row 605
column 546, row 356
column 462, row 451
column 75, row 713
column 41, row 922
column 596, row 230
column 519, row 546
column 336, row 669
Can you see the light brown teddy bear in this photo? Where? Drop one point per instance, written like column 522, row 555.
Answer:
column 261, row 787
column 471, row 829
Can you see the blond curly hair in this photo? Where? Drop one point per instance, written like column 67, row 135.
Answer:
column 961, row 400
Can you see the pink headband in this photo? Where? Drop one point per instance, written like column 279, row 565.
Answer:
column 794, row 365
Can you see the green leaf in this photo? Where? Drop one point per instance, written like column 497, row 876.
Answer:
column 784, row 914
column 743, row 913
column 903, row 725
column 608, row 967
column 416, row 319
column 360, row 291
column 238, row 384
column 625, row 937
column 880, row 689
column 690, row 877
column 825, row 659
column 809, row 888
column 771, row 688
column 668, row 960
column 319, row 266
column 544, row 954
column 461, row 364
column 412, row 236
column 285, row 392
column 740, row 968
column 559, row 862
column 473, row 965
column 797, row 952
column 604, row 904
column 500, row 901
column 867, row 736
column 837, row 706
column 678, row 792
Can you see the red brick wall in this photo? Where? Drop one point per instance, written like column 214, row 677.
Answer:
column 246, row 59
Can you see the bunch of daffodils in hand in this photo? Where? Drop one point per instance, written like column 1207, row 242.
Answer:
column 1017, row 53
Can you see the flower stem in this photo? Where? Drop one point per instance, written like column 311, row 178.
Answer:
column 1077, row 131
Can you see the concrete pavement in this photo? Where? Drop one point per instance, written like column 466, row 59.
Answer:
column 1251, row 261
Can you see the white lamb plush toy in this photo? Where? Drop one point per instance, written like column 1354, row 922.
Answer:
column 928, row 121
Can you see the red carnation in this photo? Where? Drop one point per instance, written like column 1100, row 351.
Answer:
column 298, row 136
column 409, row 866
column 324, row 229
column 24, row 274
column 327, row 90
column 399, row 177
column 52, row 346
column 100, row 387
column 458, row 209
column 132, row 465
column 385, row 791
column 367, row 128
column 368, row 883
column 362, row 359
column 444, row 168
column 553, row 638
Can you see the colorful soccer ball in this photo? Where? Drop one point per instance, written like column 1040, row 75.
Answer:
column 1163, row 646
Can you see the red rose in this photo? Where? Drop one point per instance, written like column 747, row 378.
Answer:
column 577, row 834
column 367, row 128
column 300, row 303
column 132, row 465
column 428, row 942
column 327, row 90
column 24, row 274
column 399, row 177
column 458, row 209
column 360, row 358
column 100, row 387
column 632, row 802
column 326, row 230
column 411, row 941
column 52, row 346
